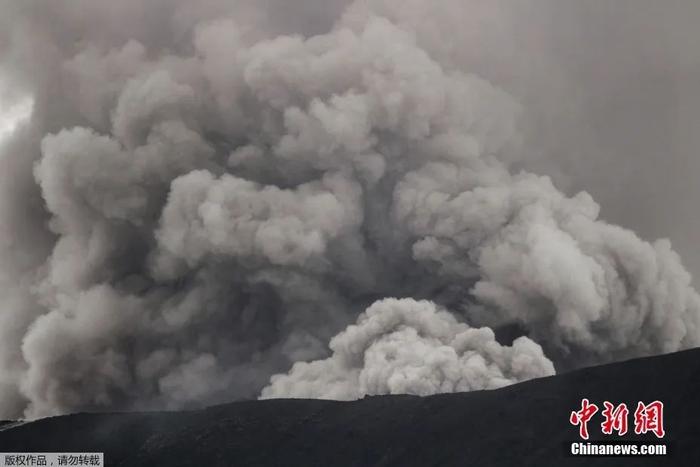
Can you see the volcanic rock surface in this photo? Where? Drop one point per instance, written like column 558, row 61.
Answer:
column 523, row 424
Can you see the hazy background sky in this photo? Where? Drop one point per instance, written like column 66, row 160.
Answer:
column 626, row 121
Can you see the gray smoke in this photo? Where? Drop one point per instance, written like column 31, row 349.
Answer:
column 206, row 195
column 409, row 347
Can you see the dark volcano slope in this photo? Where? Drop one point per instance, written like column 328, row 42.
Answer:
column 524, row 424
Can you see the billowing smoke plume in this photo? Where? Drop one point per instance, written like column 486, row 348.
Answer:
column 188, row 214
column 409, row 347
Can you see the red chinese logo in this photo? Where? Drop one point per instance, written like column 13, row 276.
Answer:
column 647, row 418
column 615, row 418
column 582, row 417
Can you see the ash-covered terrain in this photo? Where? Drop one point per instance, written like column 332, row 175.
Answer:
column 522, row 424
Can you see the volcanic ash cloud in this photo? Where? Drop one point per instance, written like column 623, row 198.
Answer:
column 410, row 347
column 179, row 224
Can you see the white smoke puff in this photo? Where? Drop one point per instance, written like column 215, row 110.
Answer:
column 411, row 347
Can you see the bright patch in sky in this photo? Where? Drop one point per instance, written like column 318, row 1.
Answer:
column 12, row 116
